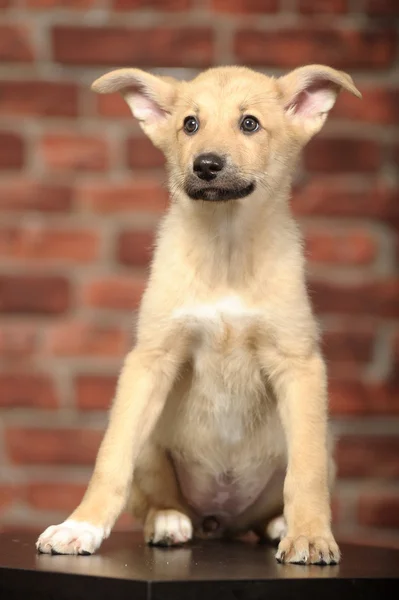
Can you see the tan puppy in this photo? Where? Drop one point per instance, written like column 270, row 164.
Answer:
column 220, row 415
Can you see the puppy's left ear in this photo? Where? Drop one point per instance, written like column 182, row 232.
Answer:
column 150, row 98
column 310, row 92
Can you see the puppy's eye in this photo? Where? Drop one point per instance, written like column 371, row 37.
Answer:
column 249, row 124
column 191, row 125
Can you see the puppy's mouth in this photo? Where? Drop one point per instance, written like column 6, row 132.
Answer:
column 213, row 193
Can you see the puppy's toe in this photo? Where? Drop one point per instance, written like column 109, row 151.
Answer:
column 167, row 528
column 305, row 550
column 71, row 537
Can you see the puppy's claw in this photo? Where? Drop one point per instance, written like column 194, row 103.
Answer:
column 304, row 550
column 321, row 559
column 280, row 557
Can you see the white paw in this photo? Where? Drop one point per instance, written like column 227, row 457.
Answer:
column 71, row 537
column 167, row 528
column 277, row 529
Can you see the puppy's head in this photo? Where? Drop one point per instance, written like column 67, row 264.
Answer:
column 230, row 130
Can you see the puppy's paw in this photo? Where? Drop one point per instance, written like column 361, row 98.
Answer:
column 167, row 528
column 276, row 529
column 308, row 550
column 71, row 537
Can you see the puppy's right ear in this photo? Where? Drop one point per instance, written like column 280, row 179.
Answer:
column 149, row 97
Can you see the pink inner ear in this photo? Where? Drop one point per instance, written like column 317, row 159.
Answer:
column 314, row 100
column 145, row 109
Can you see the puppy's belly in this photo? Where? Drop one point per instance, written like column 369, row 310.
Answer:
column 226, row 495
column 226, row 433
column 218, row 495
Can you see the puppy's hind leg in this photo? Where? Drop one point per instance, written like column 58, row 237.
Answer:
column 167, row 527
column 276, row 529
column 157, row 499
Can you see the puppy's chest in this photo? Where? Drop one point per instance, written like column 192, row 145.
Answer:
column 227, row 384
column 216, row 320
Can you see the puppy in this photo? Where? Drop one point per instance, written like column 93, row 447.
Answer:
column 219, row 422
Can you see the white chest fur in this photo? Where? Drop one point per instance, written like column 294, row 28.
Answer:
column 231, row 308
column 227, row 378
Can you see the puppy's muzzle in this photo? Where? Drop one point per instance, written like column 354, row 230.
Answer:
column 215, row 178
column 207, row 166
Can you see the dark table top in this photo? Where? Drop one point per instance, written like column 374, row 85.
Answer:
column 125, row 567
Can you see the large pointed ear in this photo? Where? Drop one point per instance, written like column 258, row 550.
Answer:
column 310, row 92
column 149, row 97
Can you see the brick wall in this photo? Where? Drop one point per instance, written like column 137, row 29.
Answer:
column 81, row 192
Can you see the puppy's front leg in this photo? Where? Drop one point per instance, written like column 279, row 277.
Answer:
column 300, row 385
column 145, row 381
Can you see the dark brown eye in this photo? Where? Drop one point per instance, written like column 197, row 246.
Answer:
column 191, row 125
column 249, row 124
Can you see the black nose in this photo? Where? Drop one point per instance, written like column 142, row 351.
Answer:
column 207, row 166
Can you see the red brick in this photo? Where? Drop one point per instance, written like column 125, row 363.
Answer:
column 310, row 7
column 12, row 150
column 18, row 529
column 126, row 523
column 95, row 392
column 378, row 105
column 371, row 539
column 135, row 248
column 395, row 361
column 74, row 4
column 15, row 44
column 345, row 247
column 26, row 390
column 36, row 294
column 117, row 292
column 388, row 8
column 346, row 343
column 38, row 98
column 49, row 245
column 374, row 298
column 345, row 370
column 335, row 509
column 328, row 196
column 52, row 447
column 55, row 496
column 245, row 6
column 180, row 47
column 24, row 195
column 86, row 339
column 379, row 509
column 9, row 493
column 17, row 341
column 396, row 154
column 74, row 152
column 112, row 105
column 142, row 154
column 368, row 456
column 339, row 48
column 396, row 347
column 159, row 5
column 342, row 155
column 357, row 398
column 134, row 196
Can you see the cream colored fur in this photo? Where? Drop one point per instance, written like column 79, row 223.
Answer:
column 226, row 376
